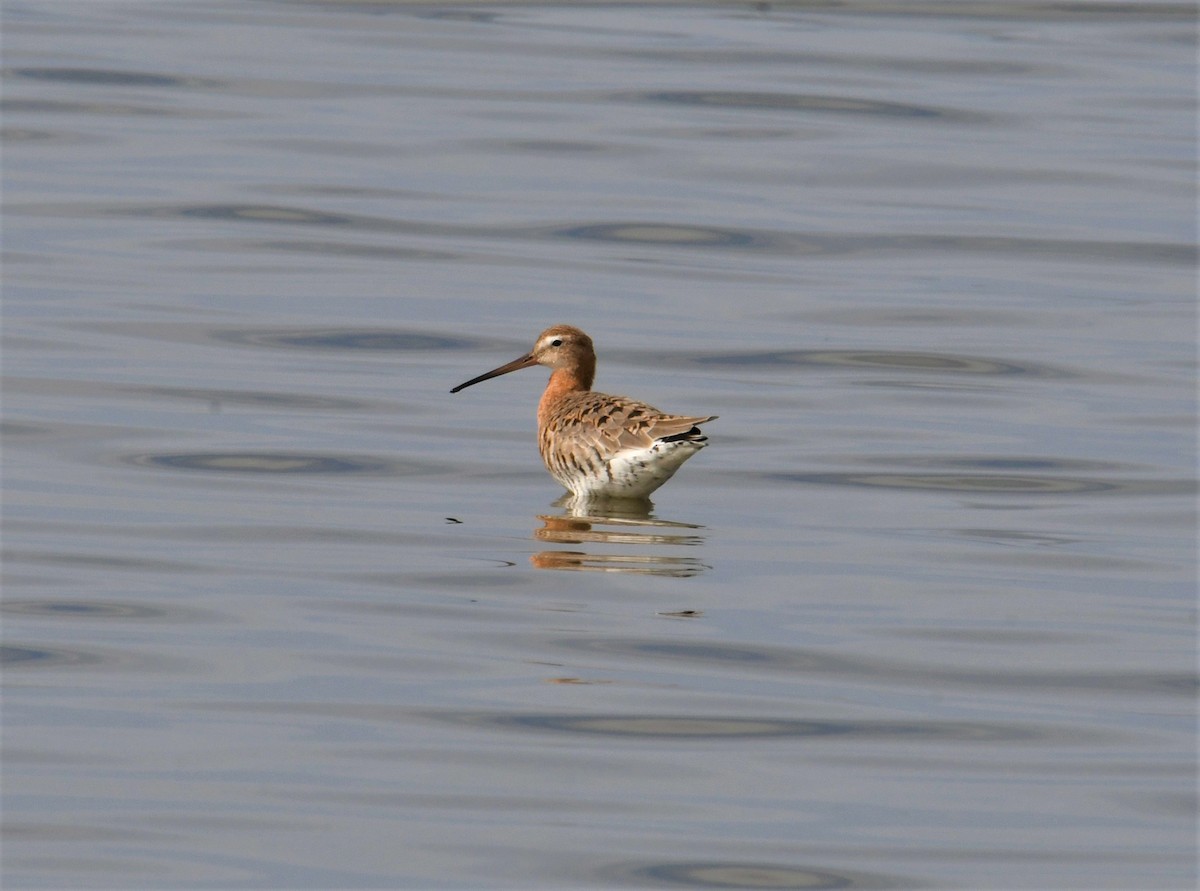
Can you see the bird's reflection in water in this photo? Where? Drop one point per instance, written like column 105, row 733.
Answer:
column 625, row 523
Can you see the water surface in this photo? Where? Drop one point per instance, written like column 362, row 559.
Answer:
column 281, row 612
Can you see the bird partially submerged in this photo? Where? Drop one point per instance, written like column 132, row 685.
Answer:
column 600, row 446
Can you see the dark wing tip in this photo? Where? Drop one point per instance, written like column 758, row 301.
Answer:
column 693, row 435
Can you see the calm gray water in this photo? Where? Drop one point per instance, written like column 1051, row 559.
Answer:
column 280, row 612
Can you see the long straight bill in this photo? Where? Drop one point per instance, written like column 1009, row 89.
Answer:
column 514, row 365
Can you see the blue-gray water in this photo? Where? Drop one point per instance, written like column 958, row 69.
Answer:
column 280, row 612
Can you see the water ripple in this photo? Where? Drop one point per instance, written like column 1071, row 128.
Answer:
column 106, row 77
column 631, row 525
column 30, row 656
column 1001, row 462
column 103, row 561
column 746, row 876
column 258, row 399
column 782, row 660
column 74, row 107
column 258, row 214
column 281, row 463
column 14, row 656
column 651, row 233
column 82, row 609
column 374, row 340
column 11, row 135
column 989, row 484
column 1030, row 10
column 666, row 234
column 637, row 564
column 330, row 248
column 703, row 727
column 759, row 101
column 894, row 360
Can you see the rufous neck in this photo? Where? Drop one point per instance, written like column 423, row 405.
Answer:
column 563, row 382
column 570, row 380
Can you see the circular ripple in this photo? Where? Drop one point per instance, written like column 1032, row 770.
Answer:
column 247, row 462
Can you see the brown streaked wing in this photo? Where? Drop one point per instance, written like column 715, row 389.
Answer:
column 612, row 424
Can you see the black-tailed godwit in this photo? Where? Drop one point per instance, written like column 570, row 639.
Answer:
column 600, row 446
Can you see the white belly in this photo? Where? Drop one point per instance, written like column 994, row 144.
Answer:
column 633, row 473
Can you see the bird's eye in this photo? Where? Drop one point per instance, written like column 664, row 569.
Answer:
column 556, row 342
